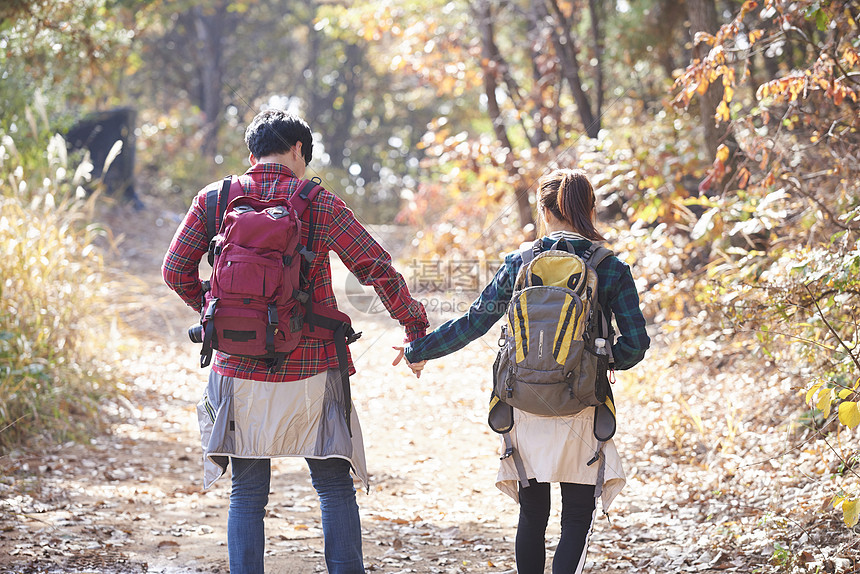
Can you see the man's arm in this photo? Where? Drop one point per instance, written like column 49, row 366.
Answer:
column 189, row 245
column 371, row 265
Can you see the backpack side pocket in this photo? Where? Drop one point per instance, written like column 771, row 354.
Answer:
column 501, row 416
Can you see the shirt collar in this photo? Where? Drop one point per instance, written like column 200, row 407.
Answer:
column 270, row 168
column 567, row 235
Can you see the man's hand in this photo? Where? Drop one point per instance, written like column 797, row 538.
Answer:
column 416, row 367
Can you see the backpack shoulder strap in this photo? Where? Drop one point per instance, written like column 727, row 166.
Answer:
column 531, row 252
column 217, row 200
column 595, row 255
column 527, row 254
column 305, row 194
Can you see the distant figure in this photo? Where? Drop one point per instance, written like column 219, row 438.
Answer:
column 553, row 448
column 252, row 413
column 98, row 132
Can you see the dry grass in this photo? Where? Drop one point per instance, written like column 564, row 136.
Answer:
column 55, row 318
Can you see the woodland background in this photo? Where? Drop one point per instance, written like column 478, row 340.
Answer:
column 721, row 137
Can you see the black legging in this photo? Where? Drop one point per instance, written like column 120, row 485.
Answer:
column 577, row 514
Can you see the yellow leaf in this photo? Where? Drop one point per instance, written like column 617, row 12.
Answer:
column 857, row 383
column 850, row 512
column 728, row 94
column 755, row 35
column 824, row 399
column 812, row 391
column 849, row 414
column 844, row 393
column 723, row 153
column 704, row 37
column 722, row 111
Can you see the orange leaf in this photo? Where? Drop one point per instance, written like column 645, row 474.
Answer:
column 722, row 153
column 765, row 155
column 851, row 56
column 747, row 7
column 838, row 95
column 755, row 35
column 743, row 177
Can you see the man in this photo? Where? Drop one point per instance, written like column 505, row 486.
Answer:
column 250, row 414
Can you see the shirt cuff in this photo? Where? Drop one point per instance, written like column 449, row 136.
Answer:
column 409, row 353
column 414, row 332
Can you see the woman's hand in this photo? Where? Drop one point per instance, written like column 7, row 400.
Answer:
column 416, row 367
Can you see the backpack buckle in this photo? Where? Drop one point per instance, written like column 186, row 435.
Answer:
column 307, row 254
column 210, row 309
column 352, row 336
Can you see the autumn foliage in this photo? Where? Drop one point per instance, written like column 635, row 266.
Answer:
column 724, row 152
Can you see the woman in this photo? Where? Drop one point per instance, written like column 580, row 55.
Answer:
column 553, row 448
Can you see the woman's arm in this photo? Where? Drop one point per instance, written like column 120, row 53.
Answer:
column 633, row 341
column 457, row 333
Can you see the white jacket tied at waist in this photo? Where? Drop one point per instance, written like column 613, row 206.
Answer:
column 256, row 419
column 557, row 449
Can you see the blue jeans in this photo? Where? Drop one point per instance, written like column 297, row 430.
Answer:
column 341, row 526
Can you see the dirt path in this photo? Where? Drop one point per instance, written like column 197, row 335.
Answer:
column 132, row 500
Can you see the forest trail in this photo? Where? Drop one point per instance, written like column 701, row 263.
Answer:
column 132, row 501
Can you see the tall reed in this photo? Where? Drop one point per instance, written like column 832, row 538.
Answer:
column 55, row 319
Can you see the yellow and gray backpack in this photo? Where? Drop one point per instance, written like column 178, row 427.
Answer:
column 556, row 347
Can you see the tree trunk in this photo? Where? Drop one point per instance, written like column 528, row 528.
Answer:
column 595, row 8
column 703, row 18
column 567, row 55
column 343, row 116
column 208, row 30
column 489, row 63
column 544, row 80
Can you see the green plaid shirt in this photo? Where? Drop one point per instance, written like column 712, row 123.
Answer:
column 616, row 292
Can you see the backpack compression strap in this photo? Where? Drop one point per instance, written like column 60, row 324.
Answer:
column 510, row 451
column 329, row 320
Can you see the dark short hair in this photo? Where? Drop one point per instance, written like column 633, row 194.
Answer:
column 276, row 131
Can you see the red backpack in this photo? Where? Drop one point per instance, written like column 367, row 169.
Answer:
column 258, row 303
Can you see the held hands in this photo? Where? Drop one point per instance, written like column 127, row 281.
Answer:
column 416, row 367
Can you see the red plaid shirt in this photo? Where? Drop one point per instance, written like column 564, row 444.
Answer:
column 333, row 228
